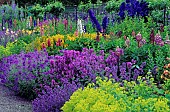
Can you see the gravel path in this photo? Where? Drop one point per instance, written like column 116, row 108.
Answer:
column 9, row 102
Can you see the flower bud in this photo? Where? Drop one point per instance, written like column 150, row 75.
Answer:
column 139, row 37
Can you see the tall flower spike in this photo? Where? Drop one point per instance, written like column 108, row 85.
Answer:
column 119, row 51
column 152, row 37
column 105, row 22
column 30, row 21
column 127, row 42
column 94, row 20
column 167, row 39
column 49, row 43
column 161, row 28
column 80, row 26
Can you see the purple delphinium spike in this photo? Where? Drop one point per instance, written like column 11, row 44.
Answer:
column 105, row 22
column 94, row 20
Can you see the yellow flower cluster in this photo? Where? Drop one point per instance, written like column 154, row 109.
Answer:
column 94, row 35
column 58, row 40
column 47, row 41
column 28, row 32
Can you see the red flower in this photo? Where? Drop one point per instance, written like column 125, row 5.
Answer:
column 43, row 46
column 58, row 43
column 49, row 43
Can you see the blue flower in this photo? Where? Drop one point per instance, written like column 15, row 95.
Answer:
column 122, row 14
column 134, row 8
column 35, row 23
column 122, row 6
column 127, row 1
column 94, row 20
column 105, row 22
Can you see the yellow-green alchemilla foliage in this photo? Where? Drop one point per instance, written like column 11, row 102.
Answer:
column 111, row 97
column 4, row 51
column 12, row 48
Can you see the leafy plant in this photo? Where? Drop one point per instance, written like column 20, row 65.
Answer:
column 113, row 5
column 37, row 11
column 55, row 8
column 111, row 97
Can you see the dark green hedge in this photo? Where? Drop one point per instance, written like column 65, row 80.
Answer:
column 43, row 2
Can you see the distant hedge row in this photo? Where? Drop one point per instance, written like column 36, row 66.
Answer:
column 66, row 2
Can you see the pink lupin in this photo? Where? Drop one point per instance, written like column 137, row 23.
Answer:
column 30, row 21
column 38, row 22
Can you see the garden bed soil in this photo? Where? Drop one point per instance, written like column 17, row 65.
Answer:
column 9, row 102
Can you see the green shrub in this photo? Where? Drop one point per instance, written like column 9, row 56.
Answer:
column 4, row 51
column 55, row 8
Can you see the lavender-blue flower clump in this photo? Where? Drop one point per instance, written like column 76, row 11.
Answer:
column 134, row 8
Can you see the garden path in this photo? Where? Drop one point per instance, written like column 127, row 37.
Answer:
column 9, row 102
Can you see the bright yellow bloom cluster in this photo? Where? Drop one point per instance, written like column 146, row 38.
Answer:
column 58, row 40
column 28, row 32
column 47, row 41
column 94, row 35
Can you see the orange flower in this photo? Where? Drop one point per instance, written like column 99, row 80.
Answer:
column 169, row 65
column 166, row 72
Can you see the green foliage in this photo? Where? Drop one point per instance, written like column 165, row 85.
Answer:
column 12, row 48
column 37, row 11
column 26, row 89
column 110, row 97
column 150, row 60
column 9, row 12
column 113, row 5
column 17, row 47
column 136, row 24
column 85, row 7
column 79, row 43
column 156, row 57
column 55, row 8
column 160, row 60
column 157, row 15
column 167, row 85
column 158, row 4
column 4, row 51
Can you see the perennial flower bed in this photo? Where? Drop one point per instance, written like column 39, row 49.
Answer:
column 91, row 63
